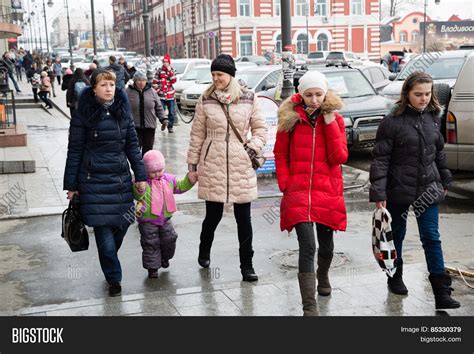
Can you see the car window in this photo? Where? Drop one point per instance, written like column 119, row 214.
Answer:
column 270, row 80
column 441, row 68
column 251, row 78
column 377, row 75
column 335, row 55
column 349, row 84
column 179, row 67
column 315, row 55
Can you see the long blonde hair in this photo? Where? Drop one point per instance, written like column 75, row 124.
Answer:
column 234, row 89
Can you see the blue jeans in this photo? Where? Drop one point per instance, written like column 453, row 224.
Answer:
column 171, row 111
column 109, row 239
column 427, row 220
column 395, row 66
column 17, row 88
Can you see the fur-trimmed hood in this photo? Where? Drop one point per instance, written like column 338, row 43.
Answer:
column 289, row 115
column 89, row 108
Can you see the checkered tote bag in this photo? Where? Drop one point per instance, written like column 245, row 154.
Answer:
column 383, row 246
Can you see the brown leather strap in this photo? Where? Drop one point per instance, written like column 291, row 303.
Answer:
column 226, row 112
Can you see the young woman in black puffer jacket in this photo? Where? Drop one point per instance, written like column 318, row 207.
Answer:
column 409, row 168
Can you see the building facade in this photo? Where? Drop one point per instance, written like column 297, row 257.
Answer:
column 9, row 25
column 203, row 28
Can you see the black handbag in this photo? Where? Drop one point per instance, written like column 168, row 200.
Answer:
column 257, row 161
column 73, row 229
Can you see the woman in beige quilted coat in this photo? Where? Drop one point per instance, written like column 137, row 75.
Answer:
column 222, row 163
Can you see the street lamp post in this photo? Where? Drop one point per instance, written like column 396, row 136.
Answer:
column 308, row 5
column 424, row 23
column 287, row 55
column 69, row 31
column 146, row 25
column 50, row 4
column 94, row 42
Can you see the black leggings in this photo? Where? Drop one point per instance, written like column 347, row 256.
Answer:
column 307, row 244
column 44, row 97
column 214, row 211
column 146, row 138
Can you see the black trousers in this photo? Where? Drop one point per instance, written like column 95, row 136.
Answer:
column 214, row 211
column 44, row 97
column 146, row 138
column 307, row 244
column 35, row 94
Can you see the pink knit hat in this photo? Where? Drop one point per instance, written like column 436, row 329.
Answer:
column 68, row 72
column 154, row 161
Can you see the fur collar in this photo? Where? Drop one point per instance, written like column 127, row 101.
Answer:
column 288, row 116
column 89, row 108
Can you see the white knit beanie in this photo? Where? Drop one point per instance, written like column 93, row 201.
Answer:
column 313, row 79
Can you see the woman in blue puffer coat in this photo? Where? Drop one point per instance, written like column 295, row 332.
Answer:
column 102, row 142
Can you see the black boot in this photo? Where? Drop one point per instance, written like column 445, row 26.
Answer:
column 395, row 283
column 204, row 258
column 246, row 265
column 115, row 290
column 307, row 282
column 324, row 287
column 441, row 284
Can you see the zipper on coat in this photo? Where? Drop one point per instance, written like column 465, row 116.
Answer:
column 227, row 153
column 120, row 170
column 207, row 150
column 311, row 174
column 90, row 169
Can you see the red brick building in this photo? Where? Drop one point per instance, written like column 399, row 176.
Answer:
column 202, row 28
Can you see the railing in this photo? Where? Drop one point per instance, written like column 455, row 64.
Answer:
column 6, row 14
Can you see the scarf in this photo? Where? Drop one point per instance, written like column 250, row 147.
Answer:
column 160, row 188
column 223, row 96
column 312, row 114
column 107, row 104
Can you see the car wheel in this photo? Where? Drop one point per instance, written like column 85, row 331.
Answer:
column 443, row 94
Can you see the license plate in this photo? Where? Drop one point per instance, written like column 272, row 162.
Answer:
column 367, row 136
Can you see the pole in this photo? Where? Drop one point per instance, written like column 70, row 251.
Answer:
column 94, row 42
column 424, row 27
column 307, row 26
column 287, row 55
column 164, row 27
column 206, row 38
column 146, row 25
column 46, row 28
column 106, row 45
column 69, row 30
column 219, row 43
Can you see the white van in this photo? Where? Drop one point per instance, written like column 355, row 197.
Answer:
column 459, row 145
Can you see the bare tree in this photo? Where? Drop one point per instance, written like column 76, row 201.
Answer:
column 395, row 7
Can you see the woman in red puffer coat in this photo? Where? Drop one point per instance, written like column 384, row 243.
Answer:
column 309, row 150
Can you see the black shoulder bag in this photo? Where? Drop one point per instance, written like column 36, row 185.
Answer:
column 73, row 229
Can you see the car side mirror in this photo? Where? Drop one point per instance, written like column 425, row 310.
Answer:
column 392, row 77
column 304, row 67
column 268, row 87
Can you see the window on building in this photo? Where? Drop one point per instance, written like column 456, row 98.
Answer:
column 245, row 45
column 415, row 35
column 244, row 7
column 277, row 7
column 278, row 44
column 403, row 37
column 356, row 7
column 302, row 44
column 321, row 8
column 301, row 7
column 322, row 42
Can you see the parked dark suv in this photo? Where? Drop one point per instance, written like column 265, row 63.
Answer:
column 363, row 108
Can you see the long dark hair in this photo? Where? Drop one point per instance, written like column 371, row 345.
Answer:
column 78, row 75
column 418, row 77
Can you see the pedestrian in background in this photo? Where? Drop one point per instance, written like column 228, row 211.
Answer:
column 163, row 82
column 102, row 143
column 394, row 62
column 146, row 110
column 309, row 150
column 409, row 168
column 89, row 71
column 57, row 69
column 66, row 79
column 10, row 65
column 154, row 210
column 222, row 162
column 77, row 84
column 45, row 89
column 120, row 72
column 49, row 69
column 33, row 75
